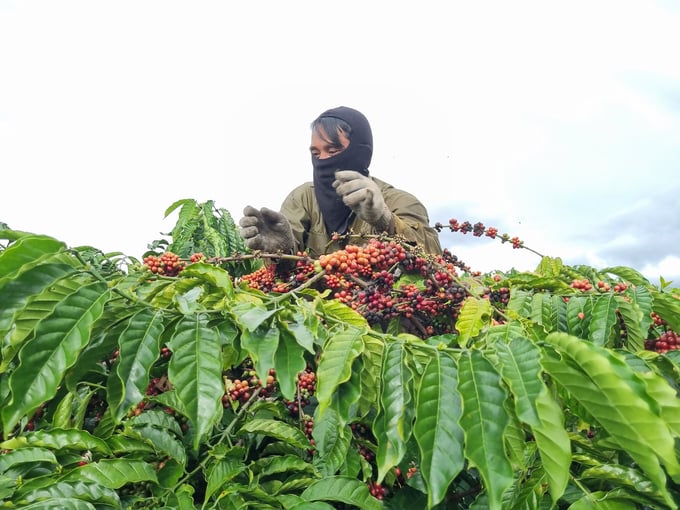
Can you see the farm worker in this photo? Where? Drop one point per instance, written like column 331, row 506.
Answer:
column 342, row 197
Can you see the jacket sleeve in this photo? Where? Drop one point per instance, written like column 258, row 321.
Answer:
column 411, row 220
column 296, row 209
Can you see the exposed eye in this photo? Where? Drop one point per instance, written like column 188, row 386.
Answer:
column 314, row 152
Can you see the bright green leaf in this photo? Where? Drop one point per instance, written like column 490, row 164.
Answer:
column 139, row 348
column 437, row 430
column 195, row 371
column 484, row 420
column 335, row 364
column 344, row 489
column 58, row 341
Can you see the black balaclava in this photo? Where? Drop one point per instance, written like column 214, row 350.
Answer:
column 357, row 156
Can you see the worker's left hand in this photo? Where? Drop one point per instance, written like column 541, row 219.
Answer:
column 363, row 196
column 267, row 230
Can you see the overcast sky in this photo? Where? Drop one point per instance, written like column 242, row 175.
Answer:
column 557, row 122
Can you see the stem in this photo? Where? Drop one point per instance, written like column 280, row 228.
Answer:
column 532, row 251
column 304, row 285
column 240, row 413
column 258, row 255
column 94, row 385
column 466, row 227
column 584, row 489
column 417, row 324
column 222, row 436
column 131, row 297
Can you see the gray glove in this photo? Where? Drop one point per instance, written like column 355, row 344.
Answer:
column 266, row 230
column 363, row 196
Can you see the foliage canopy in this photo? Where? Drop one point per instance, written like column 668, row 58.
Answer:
column 224, row 383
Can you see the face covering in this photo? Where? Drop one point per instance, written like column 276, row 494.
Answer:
column 357, row 156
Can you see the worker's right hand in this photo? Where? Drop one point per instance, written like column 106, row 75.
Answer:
column 266, row 230
column 361, row 194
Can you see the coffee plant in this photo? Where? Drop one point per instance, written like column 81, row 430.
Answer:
column 203, row 229
column 206, row 376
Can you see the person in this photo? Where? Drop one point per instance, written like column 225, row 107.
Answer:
column 342, row 198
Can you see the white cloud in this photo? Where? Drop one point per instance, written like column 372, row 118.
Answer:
column 668, row 269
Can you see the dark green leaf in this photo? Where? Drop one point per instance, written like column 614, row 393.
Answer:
column 262, row 346
column 553, row 443
column 15, row 294
column 668, row 307
column 335, row 364
column 139, row 348
column 215, row 276
column 631, row 315
column 222, row 472
column 437, row 429
column 332, row 440
column 195, row 371
column 628, row 274
column 520, row 367
column 114, row 473
column 289, row 361
column 614, row 394
column 603, row 320
column 59, row 339
column 278, row 430
column 344, row 489
column 25, row 455
column 60, row 504
column 484, row 420
column 24, row 254
column 36, row 309
column 394, row 420
column 347, row 394
column 75, row 490
column 57, row 439
column 251, row 315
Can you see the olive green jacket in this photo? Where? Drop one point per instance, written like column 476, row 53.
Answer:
column 410, row 220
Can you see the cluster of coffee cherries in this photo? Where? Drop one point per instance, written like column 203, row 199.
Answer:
column 169, row 263
column 410, row 472
column 241, row 388
column 156, row 386
column 364, row 443
column 367, row 278
column 376, row 255
column 585, row 285
column 364, row 440
column 479, row 230
column 377, row 490
column 307, row 383
column 620, row 287
column 582, row 284
column 658, row 320
column 500, row 296
column 266, row 280
column 667, row 341
column 242, row 382
column 306, row 388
